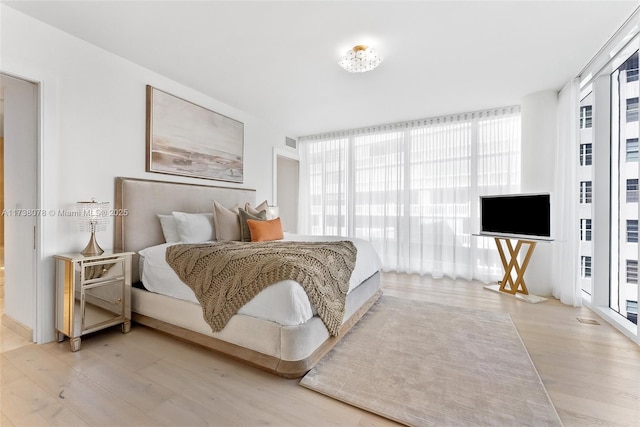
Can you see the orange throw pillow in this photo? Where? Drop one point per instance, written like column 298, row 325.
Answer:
column 263, row 231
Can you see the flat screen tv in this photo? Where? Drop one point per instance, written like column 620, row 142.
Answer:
column 516, row 215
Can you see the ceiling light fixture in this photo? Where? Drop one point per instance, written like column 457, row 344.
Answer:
column 360, row 59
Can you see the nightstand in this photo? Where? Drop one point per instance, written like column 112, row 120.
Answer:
column 92, row 293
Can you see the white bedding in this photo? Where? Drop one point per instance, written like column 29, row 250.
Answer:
column 284, row 302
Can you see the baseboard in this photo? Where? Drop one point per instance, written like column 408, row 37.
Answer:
column 17, row 327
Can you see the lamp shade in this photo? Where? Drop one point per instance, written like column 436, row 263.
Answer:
column 92, row 216
column 273, row 212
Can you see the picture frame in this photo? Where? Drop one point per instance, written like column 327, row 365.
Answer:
column 189, row 140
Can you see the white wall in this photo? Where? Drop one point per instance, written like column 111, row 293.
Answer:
column 93, row 129
column 538, row 115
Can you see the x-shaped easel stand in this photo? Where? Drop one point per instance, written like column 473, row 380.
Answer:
column 508, row 284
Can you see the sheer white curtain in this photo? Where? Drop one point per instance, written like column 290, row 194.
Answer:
column 412, row 189
column 566, row 225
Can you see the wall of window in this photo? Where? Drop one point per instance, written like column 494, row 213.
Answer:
column 412, row 189
column 608, row 180
column 624, row 187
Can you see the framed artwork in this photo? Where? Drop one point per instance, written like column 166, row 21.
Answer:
column 189, row 140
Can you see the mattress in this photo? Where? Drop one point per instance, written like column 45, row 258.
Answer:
column 285, row 303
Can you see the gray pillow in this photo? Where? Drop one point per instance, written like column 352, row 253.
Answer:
column 264, row 206
column 245, row 233
column 226, row 222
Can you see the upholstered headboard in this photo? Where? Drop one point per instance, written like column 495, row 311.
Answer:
column 142, row 200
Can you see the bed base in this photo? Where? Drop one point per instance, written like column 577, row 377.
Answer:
column 274, row 365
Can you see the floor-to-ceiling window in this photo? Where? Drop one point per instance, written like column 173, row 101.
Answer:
column 412, row 189
column 624, row 189
column 609, row 179
column 585, row 176
column 327, row 179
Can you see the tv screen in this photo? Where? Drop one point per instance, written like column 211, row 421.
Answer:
column 517, row 215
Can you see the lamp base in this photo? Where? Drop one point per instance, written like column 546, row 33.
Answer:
column 92, row 248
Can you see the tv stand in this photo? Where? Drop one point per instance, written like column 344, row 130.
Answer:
column 510, row 263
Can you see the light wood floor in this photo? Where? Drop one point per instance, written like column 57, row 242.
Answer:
column 592, row 373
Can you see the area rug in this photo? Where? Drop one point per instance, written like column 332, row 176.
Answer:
column 426, row 364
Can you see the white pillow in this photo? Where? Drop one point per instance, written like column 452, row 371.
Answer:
column 194, row 228
column 169, row 228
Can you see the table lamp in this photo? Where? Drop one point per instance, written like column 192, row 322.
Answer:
column 273, row 212
column 92, row 216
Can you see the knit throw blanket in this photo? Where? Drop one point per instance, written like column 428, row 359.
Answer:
column 226, row 275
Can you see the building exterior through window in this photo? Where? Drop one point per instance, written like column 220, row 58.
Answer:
column 624, row 189
column 585, row 175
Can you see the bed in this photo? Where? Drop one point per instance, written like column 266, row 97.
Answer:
column 262, row 333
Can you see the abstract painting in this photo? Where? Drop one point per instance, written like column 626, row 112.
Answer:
column 189, row 140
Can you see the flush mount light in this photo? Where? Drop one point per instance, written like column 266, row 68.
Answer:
column 360, row 59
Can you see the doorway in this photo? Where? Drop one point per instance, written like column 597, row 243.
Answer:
column 287, row 177
column 19, row 133
column 1, row 199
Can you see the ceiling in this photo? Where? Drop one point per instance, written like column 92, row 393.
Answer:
column 278, row 60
